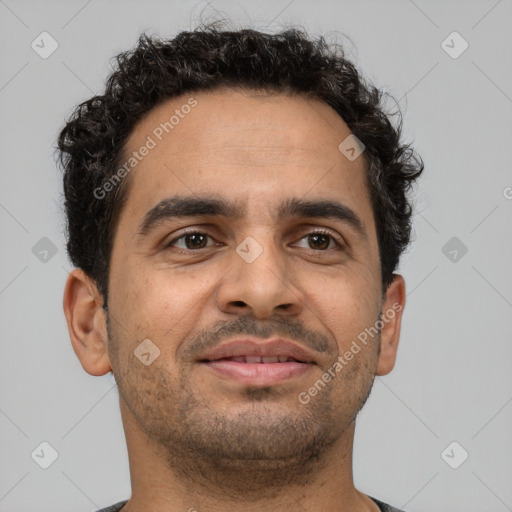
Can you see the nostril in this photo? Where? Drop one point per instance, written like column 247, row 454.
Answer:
column 239, row 303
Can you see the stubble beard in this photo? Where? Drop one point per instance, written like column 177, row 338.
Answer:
column 260, row 445
column 263, row 443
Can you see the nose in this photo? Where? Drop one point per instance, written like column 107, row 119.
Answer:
column 259, row 281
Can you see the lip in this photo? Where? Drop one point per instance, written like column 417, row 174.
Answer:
column 252, row 347
column 258, row 374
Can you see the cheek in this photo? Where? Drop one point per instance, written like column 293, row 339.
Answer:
column 346, row 304
column 165, row 305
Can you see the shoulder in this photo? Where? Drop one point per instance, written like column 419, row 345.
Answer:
column 384, row 507
column 114, row 508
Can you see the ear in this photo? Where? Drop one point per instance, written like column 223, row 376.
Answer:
column 392, row 309
column 87, row 323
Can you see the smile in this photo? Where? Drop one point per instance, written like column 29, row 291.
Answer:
column 258, row 371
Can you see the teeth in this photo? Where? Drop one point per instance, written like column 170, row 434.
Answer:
column 260, row 359
column 253, row 359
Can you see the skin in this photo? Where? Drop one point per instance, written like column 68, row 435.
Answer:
column 197, row 440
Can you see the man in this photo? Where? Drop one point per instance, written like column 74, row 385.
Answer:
column 236, row 207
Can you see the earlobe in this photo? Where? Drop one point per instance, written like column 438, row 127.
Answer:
column 392, row 310
column 86, row 322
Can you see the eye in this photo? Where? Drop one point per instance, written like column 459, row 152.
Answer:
column 321, row 240
column 192, row 240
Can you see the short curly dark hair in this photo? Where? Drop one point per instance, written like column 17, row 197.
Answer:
column 209, row 57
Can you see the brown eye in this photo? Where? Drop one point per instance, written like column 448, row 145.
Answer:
column 322, row 241
column 192, row 240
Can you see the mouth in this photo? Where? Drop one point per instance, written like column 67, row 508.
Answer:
column 257, row 364
column 258, row 373
column 258, row 359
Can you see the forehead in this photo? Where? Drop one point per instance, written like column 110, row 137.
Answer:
column 255, row 146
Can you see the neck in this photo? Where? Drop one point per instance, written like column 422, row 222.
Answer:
column 179, row 481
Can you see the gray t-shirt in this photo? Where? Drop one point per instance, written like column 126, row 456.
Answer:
column 383, row 506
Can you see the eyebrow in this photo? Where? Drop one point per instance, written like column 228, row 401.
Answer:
column 187, row 206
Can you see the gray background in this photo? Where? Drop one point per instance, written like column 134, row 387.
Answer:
column 452, row 381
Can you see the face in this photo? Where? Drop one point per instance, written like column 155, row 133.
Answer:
column 257, row 270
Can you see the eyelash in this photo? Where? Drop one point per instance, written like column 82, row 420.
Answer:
column 192, row 231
